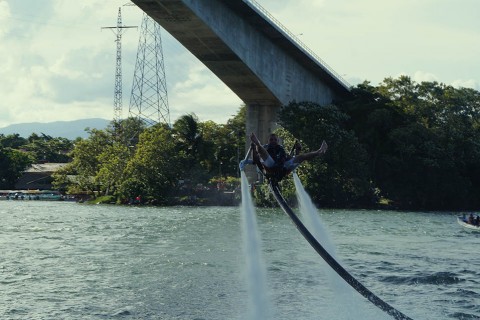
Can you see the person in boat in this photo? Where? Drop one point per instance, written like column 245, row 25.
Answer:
column 273, row 158
column 471, row 219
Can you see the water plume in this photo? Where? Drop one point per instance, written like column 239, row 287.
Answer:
column 347, row 305
column 259, row 305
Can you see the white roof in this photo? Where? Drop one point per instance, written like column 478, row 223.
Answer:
column 45, row 167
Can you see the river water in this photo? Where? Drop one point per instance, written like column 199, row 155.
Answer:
column 61, row 260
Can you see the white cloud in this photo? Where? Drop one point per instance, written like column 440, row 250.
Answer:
column 203, row 95
column 372, row 40
column 470, row 83
column 313, row 3
column 4, row 17
column 421, row 76
column 61, row 66
column 57, row 63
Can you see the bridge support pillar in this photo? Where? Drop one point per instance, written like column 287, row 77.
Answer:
column 262, row 120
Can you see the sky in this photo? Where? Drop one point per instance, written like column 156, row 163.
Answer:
column 57, row 64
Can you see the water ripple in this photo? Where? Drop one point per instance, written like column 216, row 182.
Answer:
column 438, row 278
column 72, row 261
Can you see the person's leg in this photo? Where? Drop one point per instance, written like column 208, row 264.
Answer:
column 268, row 162
column 260, row 149
column 310, row 155
column 291, row 165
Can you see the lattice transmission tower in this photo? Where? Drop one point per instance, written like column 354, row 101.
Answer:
column 118, row 30
column 149, row 99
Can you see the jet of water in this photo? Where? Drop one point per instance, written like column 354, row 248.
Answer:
column 347, row 304
column 309, row 212
column 260, row 308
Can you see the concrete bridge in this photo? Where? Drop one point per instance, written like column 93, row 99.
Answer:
column 251, row 52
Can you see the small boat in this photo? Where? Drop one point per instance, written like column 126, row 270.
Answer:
column 49, row 195
column 463, row 221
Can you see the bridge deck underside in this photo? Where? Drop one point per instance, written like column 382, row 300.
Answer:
column 202, row 42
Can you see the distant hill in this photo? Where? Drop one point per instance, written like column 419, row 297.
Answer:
column 64, row 129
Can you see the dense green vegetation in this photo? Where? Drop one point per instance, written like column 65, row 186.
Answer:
column 17, row 153
column 402, row 144
column 160, row 164
column 416, row 146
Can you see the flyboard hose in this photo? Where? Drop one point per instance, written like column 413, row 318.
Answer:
column 360, row 288
column 344, row 274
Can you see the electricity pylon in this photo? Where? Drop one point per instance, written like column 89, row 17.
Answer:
column 149, row 100
column 117, row 101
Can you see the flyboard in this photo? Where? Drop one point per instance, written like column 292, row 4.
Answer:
column 344, row 274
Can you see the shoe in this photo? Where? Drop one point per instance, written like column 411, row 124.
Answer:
column 323, row 147
column 298, row 148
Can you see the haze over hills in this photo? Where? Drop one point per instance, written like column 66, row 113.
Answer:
column 64, row 129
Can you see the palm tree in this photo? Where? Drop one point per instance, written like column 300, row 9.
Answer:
column 188, row 134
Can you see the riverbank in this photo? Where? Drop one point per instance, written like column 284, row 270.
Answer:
column 213, row 198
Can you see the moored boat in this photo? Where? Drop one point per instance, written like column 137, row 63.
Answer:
column 49, row 195
column 468, row 223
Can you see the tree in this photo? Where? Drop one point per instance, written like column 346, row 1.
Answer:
column 188, row 135
column 112, row 164
column 13, row 141
column 189, row 138
column 342, row 178
column 115, row 156
column 85, row 164
column 12, row 164
column 235, row 130
column 46, row 148
column 127, row 131
column 156, row 166
column 418, row 137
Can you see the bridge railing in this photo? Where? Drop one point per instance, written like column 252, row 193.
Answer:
column 302, row 46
